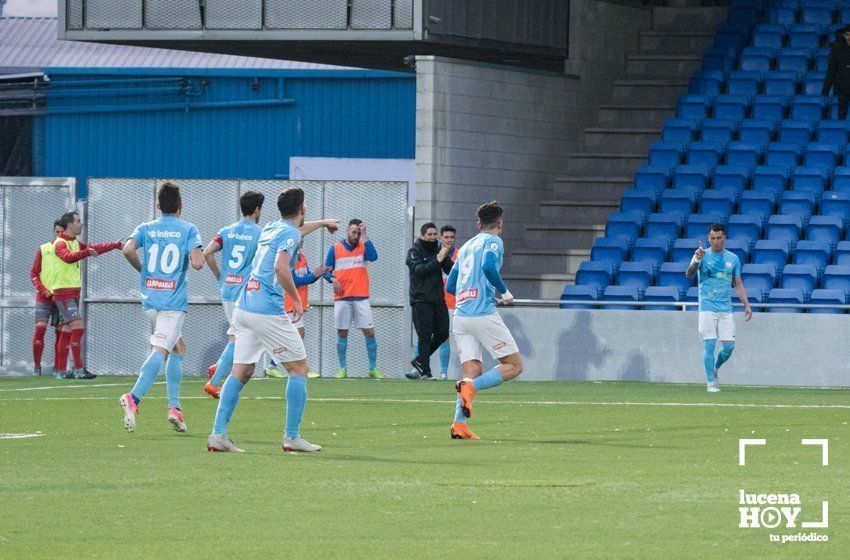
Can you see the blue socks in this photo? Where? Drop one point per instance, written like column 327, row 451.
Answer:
column 372, row 351
column 224, row 364
column 147, row 376
column 708, row 358
column 488, row 380
column 725, row 354
column 173, row 376
column 341, row 352
column 296, row 400
column 459, row 417
column 227, row 404
column 445, row 355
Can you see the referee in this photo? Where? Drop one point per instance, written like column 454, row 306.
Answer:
column 426, row 262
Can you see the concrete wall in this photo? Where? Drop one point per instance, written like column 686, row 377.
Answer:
column 495, row 132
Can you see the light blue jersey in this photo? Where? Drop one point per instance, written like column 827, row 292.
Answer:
column 716, row 274
column 166, row 244
column 263, row 294
column 238, row 244
column 475, row 294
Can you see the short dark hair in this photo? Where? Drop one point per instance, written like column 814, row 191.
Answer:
column 717, row 226
column 355, row 222
column 58, row 222
column 489, row 214
column 446, row 228
column 250, row 201
column 66, row 220
column 290, row 201
column 426, row 226
column 169, row 198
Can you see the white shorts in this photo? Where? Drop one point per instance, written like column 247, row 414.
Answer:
column 714, row 325
column 229, row 306
column 166, row 328
column 357, row 312
column 471, row 333
column 273, row 334
column 297, row 324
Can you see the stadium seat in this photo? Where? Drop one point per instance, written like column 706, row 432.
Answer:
column 837, row 277
column 731, row 177
column 661, row 294
column 733, row 107
column 714, row 60
column 781, row 82
column 692, row 297
column 613, row 251
column 741, row 249
column 759, row 59
column 793, row 59
column 624, row 226
column 677, row 201
column 672, row 274
column 798, row 203
column 753, row 295
column 743, row 154
column 718, row 130
column 842, row 253
column 770, row 178
column 813, row 82
column 808, row 107
column 815, row 253
column 698, row 224
column 663, row 226
column 817, row 14
column 785, row 296
column 835, row 132
column 708, row 154
column 639, row 201
column 822, row 59
column 809, row 179
column 745, row 227
column 652, row 251
column 665, row 154
column 822, row 154
column 783, row 154
column 652, row 177
column 781, row 15
column 836, row 204
column 784, row 228
column 774, row 253
column 720, row 202
column 804, row 35
column 597, row 275
column 757, row 131
column 692, row 177
column 772, row 107
column 759, row 277
column 620, row 293
column 796, row 131
column 680, row 130
column 579, row 293
column 637, row 274
column 759, row 203
column 692, row 106
column 828, row 297
column 683, row 249
column 744, row 82
column 825, row 228
column 803, row 277
column 770, row 35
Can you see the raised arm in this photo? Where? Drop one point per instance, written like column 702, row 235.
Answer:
column 309, row 227
column 695, row 261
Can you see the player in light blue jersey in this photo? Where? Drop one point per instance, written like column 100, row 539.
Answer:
column 718, row 271
column 237, row 243
column 261, row 323
column 476, row 283
column 169, row 245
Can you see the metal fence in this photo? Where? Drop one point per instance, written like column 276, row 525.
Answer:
column 117, row 334
column 28, row 207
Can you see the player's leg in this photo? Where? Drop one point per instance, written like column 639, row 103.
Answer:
column 148, row 373
column 225, row 360
column 469, row 351
column 441, row 337
column 343, row 313
column 726, row 334
column 446, row 354
column 75, row 323
column 66, row 317
column 42, row 316
column 708, row 332
column 173, row 378
column 366, row 323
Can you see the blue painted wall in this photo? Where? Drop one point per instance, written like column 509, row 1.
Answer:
column 218, row 123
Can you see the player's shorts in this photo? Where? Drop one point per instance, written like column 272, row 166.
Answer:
column 229, row 306
column 489, row 331
column 297, row 324
column 714, row 325
column 46, row 313
column 274, row 334
column 356, row 313
column 69, row 310
column 166, row 328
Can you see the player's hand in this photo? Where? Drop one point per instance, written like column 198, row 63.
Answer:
column 297, row 311
column 507, row 298
column 332, row 225
column 337, row 287
column 748, row 312
column 700, row 252
column 441, row 256
column 322, row 270
column 363, row 237
column 92, row 252
column 47, row 294
column 119, row 244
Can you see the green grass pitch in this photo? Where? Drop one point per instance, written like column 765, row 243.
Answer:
column 562, row 470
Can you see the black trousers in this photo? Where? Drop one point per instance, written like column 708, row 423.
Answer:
column 431, row 321
column 842, row 106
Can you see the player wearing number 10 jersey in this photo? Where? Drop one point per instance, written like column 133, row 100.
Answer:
column 169, row 245
column 237, row 243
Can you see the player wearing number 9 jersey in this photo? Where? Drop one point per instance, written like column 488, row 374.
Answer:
column 237, row 243
column 168, row 245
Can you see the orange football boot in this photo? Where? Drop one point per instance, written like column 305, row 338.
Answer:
column 211, row 370
column 212, row 390
column 466, row 391
column 461, row 431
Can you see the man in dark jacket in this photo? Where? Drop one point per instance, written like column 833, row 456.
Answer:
column 426, row 262
column 838, row 72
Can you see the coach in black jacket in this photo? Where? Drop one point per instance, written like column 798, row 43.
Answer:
column 426, row 262
column 838, row 72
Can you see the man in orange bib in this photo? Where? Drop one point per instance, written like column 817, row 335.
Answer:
column 348, row 260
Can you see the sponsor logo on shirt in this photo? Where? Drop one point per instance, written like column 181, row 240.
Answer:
column 160, row 284
column 233, row 280
column 252, row 285
column 240, row 237
column 465, row 295
column 168, row 234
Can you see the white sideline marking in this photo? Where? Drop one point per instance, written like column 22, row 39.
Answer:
column 130, row 379
column 20, row 436
column 452, row 401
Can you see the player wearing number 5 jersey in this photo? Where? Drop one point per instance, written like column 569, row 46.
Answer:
column 475, row 281
column 168, row 245
column 237, row 243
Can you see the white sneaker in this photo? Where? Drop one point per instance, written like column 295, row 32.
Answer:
column 299, row 444
column 221, row 443
column 712, row 387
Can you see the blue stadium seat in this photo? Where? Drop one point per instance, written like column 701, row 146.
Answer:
column 785, row 296
column 692, row 177
column 781, row 15
column 759, row 277
column 817, row 14
column 804, row 35
column 709, row 82
column 783, row 154
column 731, row 38
column 698, row 224
column 822, row 59
column 744, row 82
column 734, row 107
column 653, row 251
column 597, row 275
column 732, row 177
column 624, row 226
column 770, row 35
column 784, row 228
column 822, row 154
column 692, row 106
column 661, row 294
column 753, row 295
column 677, row 201
column 781, row 82
column 842, row 253
column 745, row 227
column 841, row 179
column 718, row 130
column 636, row 274
column 813, row 82
column 827, row 297
column 798, row 203
column 810, row 179
column 771, row 107
column 770, row 178
column 836, row 204
column 613, row 251
column 759, row 203
column 837, row 277
column 825, row 228
column 683, row 249
column 803, row 277
column 652, row 178
column 815, row 253
column 759, row 59
column 843, row 13
column 665, row 154
column 720, row 202
column 774, row 253
column 663, row 226
column 833, row 131
column 680, row 130
column 757, row 131
column 794, row 59
column 639, row 201
column 746, row 154
column 741, row 249
column 708, row 154
column 808, row 107
column 692, row 297
column 620, row 293
column 579, row 293
column 796, row 131
column 673, row 274
column 715, row 59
